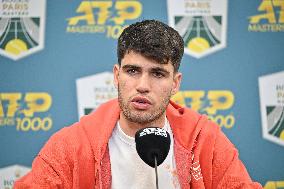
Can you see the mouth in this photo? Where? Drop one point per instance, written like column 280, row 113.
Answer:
column 141, row 103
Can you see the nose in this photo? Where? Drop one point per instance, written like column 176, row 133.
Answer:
column 143, row 84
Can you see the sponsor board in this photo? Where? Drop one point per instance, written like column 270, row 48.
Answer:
column 22, row 24
column 217, row 104
column 271, row 92
column 270, row 17
column 94, row 90
column 8, row 175
column 104, row 17
column 202, row 24
column 25, row 111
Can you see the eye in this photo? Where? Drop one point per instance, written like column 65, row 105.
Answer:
column 158, row 74
column 131, row 71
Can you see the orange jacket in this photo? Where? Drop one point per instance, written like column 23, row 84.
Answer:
column 78, row 156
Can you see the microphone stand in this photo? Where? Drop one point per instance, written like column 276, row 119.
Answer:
column 156, row 172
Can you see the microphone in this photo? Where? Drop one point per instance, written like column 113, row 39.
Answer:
column 153, row 145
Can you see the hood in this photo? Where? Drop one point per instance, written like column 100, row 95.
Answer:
column 185, row 123
column 99, row 124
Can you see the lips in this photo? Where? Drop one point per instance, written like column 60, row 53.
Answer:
column 141, row 103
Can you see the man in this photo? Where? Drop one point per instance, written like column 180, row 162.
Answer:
column 99, row 151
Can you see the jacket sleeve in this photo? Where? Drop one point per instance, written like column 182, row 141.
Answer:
column 228, row 170
column 51, row 168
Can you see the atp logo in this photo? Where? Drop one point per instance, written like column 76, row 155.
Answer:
column 202, row 24
column 210, row 103
column 25, row 111
column 22, row 25
column 274, row 185
column 270, row 17
column 108, row 17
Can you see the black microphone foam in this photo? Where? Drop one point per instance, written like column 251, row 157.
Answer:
column 151, row 142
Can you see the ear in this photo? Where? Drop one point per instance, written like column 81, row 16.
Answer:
column 115, row 75
column 176, row 82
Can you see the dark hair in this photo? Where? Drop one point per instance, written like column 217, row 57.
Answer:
column 152, row 39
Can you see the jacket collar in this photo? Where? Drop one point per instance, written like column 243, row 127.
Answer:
column 185, row 123
column 98, row 126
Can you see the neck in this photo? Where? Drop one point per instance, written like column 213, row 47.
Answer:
column 130, row 128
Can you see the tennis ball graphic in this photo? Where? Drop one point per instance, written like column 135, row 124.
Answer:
column 198, row 44
column 282, row 135
column 16, row 46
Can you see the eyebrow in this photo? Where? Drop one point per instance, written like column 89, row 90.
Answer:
column 130, row 66
column 158, row 69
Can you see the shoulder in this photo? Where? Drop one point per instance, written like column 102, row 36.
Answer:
column 83, row 135
column 190, row 127
column 63, row 142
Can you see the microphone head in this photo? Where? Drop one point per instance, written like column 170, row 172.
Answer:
column 151, row 142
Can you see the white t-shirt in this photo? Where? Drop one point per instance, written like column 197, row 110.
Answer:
column 129, row 171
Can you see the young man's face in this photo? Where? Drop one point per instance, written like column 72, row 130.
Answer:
column 144, row 87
